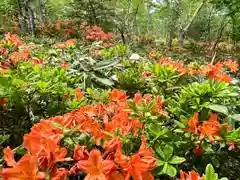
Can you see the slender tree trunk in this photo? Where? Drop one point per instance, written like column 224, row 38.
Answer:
column 148, row 16
column 43, row 11
column 135, row 19
column 22, row 22
column 184, row 30
column 170, row 40
column 234, row 29
column 209, row 23
column 172, row 25
column 94, row 16
column 219, row 34
column 31, row 17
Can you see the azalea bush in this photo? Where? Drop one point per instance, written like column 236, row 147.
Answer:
column 37, row 83
column 96, row 141
column 80, row 106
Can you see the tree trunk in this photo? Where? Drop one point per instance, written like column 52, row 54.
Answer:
column 22, row 22
column 234, row 29
column 209, row 23
column 31, row 17
column 43, row 11
column 172, row 25
column 94, row 15
column 181, row 38
column 219, row 34
column 183, row 31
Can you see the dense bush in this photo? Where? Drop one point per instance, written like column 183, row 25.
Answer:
column 86, row 109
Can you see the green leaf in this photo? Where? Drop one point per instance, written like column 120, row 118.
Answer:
column 159, row 152
column 156, row 69
column 4, row 138
column 215, row 161
column 156, row 130
column 102, row 79
column 169, row 170
column 235, row 117
column 42, row 85
column 90, row 91
column 179, row 124
column 176, row 160
column 105, row 64
column 168, row 152
column 210, row 173
column 160, row 162
column 105, row 81
column 218, row 108
column 164, row 170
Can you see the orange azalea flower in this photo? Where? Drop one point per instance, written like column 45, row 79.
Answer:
column 147, row 98
column 36, row 61
column 61, row 174
column 192, row 176
column 58, row 26
column 143, row 150
column 137, row 98
column 119, row 122
column 118, row 96
column 222, row 77
column 20, row 56
column 110, row 146
column 232, row 145
column 159, row 102
column 80, row 153
column 152, row 54
column 45, row 129
column 25, row 169
column 198, row 150
column 213, row 117
column 46, row 150
column 193, row 123
column 3, row 70
column 70, row 42
column 79, row 94
column 210, row 128
column 64, row 65
column 138, row 167
column 116, row 175
column 9, row 156
column 3, row 101
column 146, row 75
column 212, row 70
column 136, row 126
column 96, row 167
column 3, row 51
column 232, row 65
column 13, row 38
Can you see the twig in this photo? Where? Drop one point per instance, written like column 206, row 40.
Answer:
column 213, row 58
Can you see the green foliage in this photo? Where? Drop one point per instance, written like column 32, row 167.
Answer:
column 166, row 160
column 199, row 96
column 36, row 92
column 210, row 174
column 119, row 50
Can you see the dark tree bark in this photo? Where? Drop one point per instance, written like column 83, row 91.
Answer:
column 21, row 19
column 209, row 26
column 219, row 34
column 31, row 17
column 43, row 11
column 172, row 24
